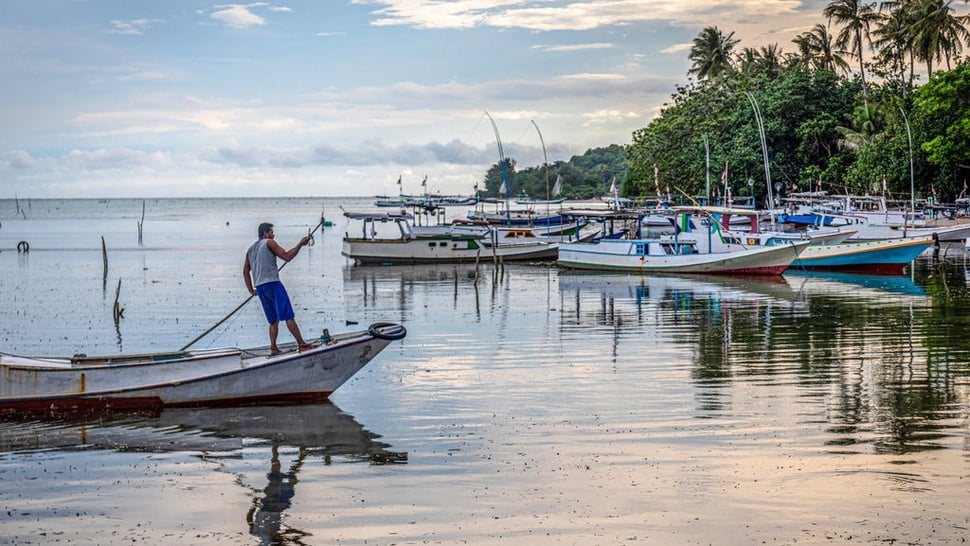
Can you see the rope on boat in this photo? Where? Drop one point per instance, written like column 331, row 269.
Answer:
column 795, row 250
column 387, row 330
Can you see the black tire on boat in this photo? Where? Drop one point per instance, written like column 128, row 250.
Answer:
column 23, row 246
column 378, row 330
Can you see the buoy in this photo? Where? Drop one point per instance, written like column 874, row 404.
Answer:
column 23, row 246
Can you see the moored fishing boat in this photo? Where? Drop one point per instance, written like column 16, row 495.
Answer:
column 885, row 257
column 670, row 254
column 379, row 243
column 210, row 377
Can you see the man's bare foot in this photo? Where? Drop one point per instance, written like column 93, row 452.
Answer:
column 274, row 351
column 308, row 347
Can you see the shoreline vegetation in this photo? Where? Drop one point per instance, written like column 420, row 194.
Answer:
column 844, row 111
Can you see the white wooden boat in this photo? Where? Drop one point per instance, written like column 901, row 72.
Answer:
column 872, row 230
column 209, row 377
column 670, row 254
column 510, row 235
column 392, row 239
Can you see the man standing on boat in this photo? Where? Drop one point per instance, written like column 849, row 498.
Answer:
column 260, row 270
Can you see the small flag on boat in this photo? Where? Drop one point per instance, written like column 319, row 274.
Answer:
column 425, row 181
column 933, row 189
column 883, row 182
column 613, row 185
column 557, row 187
column 656, row 181
column 398, row 180
column 724, row 174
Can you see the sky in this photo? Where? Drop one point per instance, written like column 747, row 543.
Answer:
column 148, row 98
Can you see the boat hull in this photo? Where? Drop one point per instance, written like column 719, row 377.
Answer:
column 888, row 256
column 198, row 378
column 610, row 255
column 443, row 250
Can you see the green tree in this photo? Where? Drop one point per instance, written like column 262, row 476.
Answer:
column 817, row 48
column 856, row 18
column 944, row 107
column 712, row 53
column 935, row 33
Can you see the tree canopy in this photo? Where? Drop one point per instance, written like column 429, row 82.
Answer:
column 823, row 124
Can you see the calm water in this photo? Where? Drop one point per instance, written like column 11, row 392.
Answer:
column 526, row 406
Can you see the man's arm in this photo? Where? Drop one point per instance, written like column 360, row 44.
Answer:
column 287, row 255
column 248, row 277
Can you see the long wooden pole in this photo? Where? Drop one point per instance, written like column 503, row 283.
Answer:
column 238, row 307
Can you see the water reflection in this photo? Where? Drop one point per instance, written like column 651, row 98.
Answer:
column 868, row 349
column 292, row 434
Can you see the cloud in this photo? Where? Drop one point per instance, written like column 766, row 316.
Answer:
column 134, row 27
column 574, row 47
column 241, row 16
column 113, row 159
column 564, row 14
column 19, row 159
column 677, row 48
column 368, row 153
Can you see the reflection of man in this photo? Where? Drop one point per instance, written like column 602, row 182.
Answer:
column 266, row 515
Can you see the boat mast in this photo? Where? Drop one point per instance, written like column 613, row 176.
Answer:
column 764, row 152
column 707, row 171
column 545, row 161
column 505, row 176
column 912, row 189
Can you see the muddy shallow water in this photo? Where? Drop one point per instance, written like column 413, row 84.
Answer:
column 526, row 405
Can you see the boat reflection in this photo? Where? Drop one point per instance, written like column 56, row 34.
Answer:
column 618, row 294
column 413, row 274
column 853, row 285
column 292, row 434
column 639, row 287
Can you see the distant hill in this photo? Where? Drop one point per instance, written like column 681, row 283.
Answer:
column 583, row 176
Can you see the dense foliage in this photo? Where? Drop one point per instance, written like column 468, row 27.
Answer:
column 822, row 125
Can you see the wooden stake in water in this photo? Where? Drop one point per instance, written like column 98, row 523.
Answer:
column 104, row 258
column 118, row 312
column 141, row 222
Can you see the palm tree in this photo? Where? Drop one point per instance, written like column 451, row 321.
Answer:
column 768, row 61
column 712, row 53
column 936, row 33
column 892, row 40
column 817, row 48
column 857, row 17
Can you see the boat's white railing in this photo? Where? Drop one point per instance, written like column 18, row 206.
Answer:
column 11, row 360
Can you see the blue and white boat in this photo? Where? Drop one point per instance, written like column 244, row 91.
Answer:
column 885, row 257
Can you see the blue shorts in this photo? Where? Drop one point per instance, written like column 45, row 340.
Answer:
column 276, row 303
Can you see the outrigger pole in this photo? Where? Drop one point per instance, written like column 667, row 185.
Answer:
column 505, row 175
